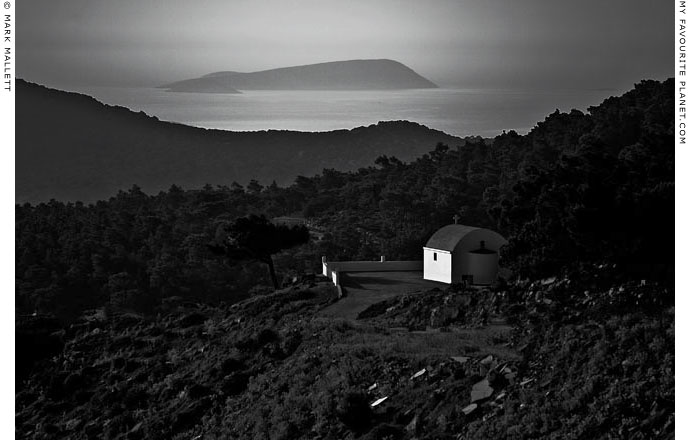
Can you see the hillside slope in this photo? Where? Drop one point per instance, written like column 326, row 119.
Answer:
column 598, row 366
column 182, row 343
column 338, row 75
column 72, row 147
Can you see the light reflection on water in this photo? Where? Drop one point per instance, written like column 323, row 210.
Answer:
column 461, row 112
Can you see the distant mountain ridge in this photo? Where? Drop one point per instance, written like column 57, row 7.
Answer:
column 338, row 75
column 71, row 147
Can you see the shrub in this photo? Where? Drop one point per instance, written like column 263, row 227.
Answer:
column 354, row 412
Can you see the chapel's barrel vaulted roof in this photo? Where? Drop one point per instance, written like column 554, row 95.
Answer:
column 448, row 237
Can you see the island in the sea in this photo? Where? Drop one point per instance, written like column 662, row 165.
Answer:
column 338, row 75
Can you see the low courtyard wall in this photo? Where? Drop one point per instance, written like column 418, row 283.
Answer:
column 334, row 269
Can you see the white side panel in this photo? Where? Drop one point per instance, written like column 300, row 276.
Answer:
column 439, row 269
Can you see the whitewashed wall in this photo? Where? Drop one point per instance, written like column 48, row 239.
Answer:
column 439, row 270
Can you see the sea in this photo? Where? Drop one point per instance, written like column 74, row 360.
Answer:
column 459, row 112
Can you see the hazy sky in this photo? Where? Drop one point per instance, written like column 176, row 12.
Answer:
column 466, row 43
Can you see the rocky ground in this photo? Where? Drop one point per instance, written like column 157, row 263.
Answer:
column 587, row 357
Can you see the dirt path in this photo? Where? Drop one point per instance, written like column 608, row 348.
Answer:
column 363, row 289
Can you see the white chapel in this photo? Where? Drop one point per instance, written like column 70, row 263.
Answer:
column 463, row 254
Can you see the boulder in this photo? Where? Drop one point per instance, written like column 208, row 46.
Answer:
column 481, row 390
